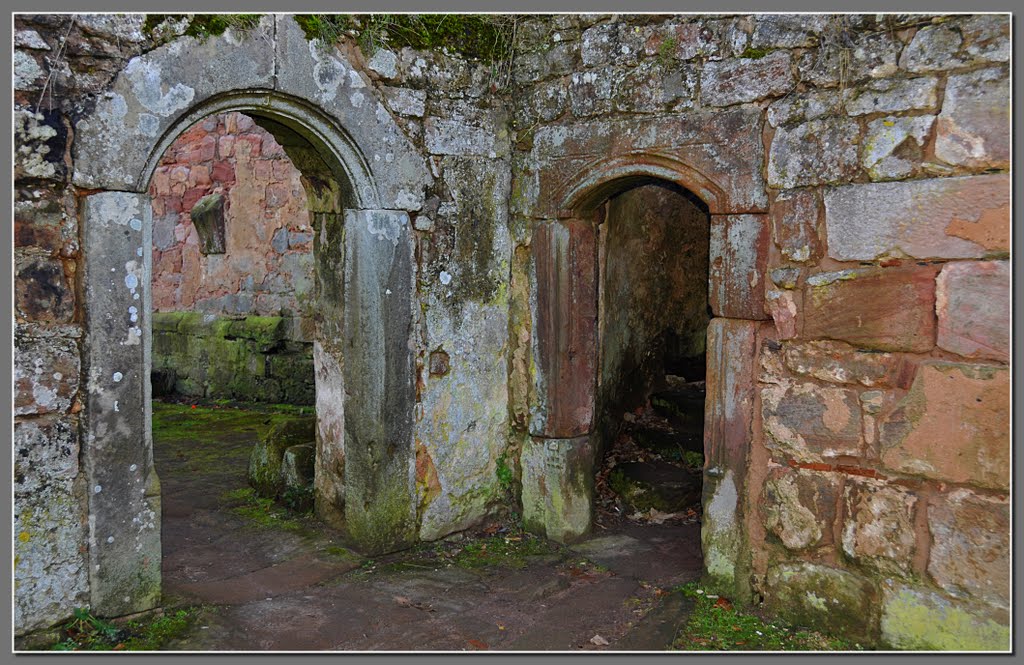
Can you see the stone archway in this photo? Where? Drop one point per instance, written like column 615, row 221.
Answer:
column 362, row 179
column 718, row 158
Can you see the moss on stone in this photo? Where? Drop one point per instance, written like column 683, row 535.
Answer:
column 204, row 25
column 754, row 53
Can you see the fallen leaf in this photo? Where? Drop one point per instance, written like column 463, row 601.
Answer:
column 723, row 603
column 599, row 641
column 477, row 644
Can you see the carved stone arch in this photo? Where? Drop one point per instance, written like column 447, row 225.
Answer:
column 362, row 176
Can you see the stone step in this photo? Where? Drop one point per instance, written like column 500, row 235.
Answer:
column 668, row 442
column 659, row 485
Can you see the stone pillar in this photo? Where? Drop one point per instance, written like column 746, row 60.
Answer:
column 558, row 487
column 378, row 371
column 558, row 463
column 328, row 361
column 123, row 489
column 728, row 418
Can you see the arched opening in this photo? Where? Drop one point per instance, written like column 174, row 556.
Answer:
column 234, row 303
column 653, row 314
column 362, row 356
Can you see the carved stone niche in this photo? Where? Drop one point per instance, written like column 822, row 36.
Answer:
column 208, row 217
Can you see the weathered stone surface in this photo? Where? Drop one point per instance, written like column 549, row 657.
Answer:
column 739, row 259
column 558, row 485
column 725, row 82
column 987, row 37
column 809, row 423
column 970, row 552
column 811, row 105
column 445, row 136
column 46, row 375
column 823, row 598
column 786, row 30
column 795, row 215
column 40, row 144
column 50, row 536
column 153, row 90
column 117, row 446
column 590, row 92
column 565, row 329
column 917, row 618
column 799, row 506
column 817, row 152
column 888, row 309
column 972, row 302
column 950, row 218
column 783, row 308
column 379, row 389
column 580, row 162
column 933, row 48
column 728, row 415
column 405, row 101
column 892, row 146
column 650, row 88
column 879, row 527
column 680, row 41
column 894, row 95
column 42, row 291
column 973, row 129
column 462, row 421
column 952, row 425
column 837, row 362
column 266, row 469
column 326, row 77
column 872, row 56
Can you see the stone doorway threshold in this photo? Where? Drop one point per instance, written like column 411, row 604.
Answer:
column 292, row 586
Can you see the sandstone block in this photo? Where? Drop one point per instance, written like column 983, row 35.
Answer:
column 970, row 553
column 798, row 507
column 809, row 423
column 837, row 362
column 892, row 146
column 739, row 80
column 952, row 425
column 795, row 215
column 42, row 292
column 973, row 129
column 933, row 48
column 948, row 218
column 46, row 374
column 921, row 619
column 888, row 309
column 972, row 301
column 739, row 251
column 817, row 152
column 558, row 483
column 824, row 598
column 879, row 527
column 894, row 95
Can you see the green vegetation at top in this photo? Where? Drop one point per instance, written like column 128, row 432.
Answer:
column 715, row 626
column 205, row 25
column 485, row 37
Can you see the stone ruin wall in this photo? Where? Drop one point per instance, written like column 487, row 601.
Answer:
column 266, row 269
column 875, row 387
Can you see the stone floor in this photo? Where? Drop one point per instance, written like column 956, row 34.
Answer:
column 292, row 586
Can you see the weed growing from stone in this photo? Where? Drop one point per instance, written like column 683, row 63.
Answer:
column 715, row 625
column 85, row 632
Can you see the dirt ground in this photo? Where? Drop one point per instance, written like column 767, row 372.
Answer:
column 266, row 580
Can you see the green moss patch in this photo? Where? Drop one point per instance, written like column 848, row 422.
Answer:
column 205, row 25
column 715, row 626
column 85, row 632
column 484, row 37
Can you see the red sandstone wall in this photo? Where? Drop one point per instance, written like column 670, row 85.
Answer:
column 268, row 265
